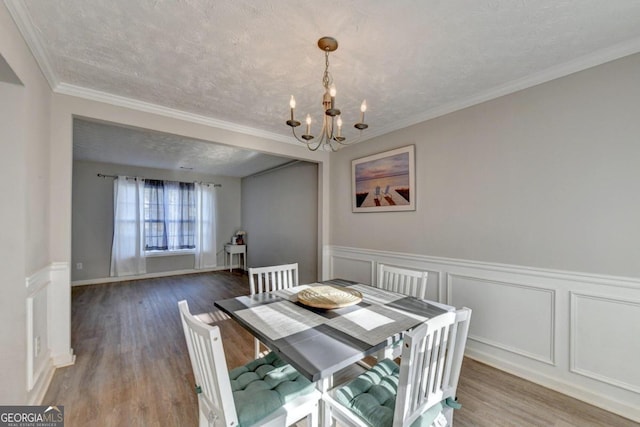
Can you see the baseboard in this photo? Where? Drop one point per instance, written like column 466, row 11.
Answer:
column 98, row 281
column 536, row 323
column 36, row 395
column 62, row 360
column 598, row 400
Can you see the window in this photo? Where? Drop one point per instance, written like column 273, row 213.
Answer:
column 169, row 215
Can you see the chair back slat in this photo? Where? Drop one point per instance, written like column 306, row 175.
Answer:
column 402, row 281
column 206, row 353
column 273, row 278
column 430, row 366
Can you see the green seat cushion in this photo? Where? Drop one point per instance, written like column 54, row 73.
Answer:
column 372, row 396
column 263, row 385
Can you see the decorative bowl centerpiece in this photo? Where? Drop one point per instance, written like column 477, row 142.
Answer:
column 329, row 297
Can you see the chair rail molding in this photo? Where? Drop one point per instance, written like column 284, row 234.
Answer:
column 48, row 311
column 552, row 327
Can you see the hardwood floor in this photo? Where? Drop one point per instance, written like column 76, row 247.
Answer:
column 132, row 366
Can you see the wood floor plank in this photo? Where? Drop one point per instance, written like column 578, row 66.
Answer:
column 132, row 367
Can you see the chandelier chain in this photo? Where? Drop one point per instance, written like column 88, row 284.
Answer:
column 326, row 78
column 331, row 120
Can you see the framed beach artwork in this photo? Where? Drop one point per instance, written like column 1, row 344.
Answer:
column 384, row 182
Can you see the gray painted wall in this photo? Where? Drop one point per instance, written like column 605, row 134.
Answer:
column 24, row 184
column 92, row 217
column 547, row 177
column 280, row 215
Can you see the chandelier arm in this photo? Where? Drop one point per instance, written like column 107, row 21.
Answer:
column 293, row 130
column 309, row 144
column 328, row 133
column 350, row 140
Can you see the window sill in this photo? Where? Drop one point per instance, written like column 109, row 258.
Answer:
column 152, row 254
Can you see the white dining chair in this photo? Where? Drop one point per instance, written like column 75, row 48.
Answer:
column 272, row 278
column 265, row 392
column 402, row 280
column 422, row 388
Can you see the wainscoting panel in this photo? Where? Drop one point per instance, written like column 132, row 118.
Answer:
column 48, row 312
column 603, row 330
column 520, row 319
column 352, row 269
column 39, row 364
column 574, row 332
column 37, row 322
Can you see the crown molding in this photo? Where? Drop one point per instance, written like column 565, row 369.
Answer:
column 147, row 107
column 18, row 11
column 579, row 64
column 21, row 16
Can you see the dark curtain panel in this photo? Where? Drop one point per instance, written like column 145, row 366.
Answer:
column 154, row 218
column 187, row 216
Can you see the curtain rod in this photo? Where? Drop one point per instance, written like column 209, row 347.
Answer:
column 101, row 175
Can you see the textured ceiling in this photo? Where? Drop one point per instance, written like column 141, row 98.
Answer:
column 95, row 141
column 238, row 61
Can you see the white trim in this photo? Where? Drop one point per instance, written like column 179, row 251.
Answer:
column 582, row 63
column 147, row 107
column 21, row 17
column 98, row 281
column 38, row 377
column 36, row 395
column 607, row 393
column 549, row 359
column 65, row 359
column 37, row 283
column 598, row 279
column 573, row 367
column 175, row 252
column 59, row 315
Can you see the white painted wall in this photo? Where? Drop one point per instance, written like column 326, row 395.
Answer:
column 280, row 215
column 546, row 177
column 92, row 224
column 527, row 212
column 24, row 173
column 132, row 113
column 575, row 333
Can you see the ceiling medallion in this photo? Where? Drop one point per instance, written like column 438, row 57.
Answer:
column 331, row 121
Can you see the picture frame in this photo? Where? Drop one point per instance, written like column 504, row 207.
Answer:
column 384, row 182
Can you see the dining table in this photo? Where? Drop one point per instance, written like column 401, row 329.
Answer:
column 319, row 342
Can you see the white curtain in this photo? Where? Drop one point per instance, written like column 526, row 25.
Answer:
column 206, row 226
column 127, row 252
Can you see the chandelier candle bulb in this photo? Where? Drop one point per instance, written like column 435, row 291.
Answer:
column 328, row 132
column 332, row 92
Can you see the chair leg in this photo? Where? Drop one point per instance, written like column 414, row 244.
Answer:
column 312, row 418
column 257, row 348
column 326, row 415
column 386, row 353
column 203, row 420
column 448, row 414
